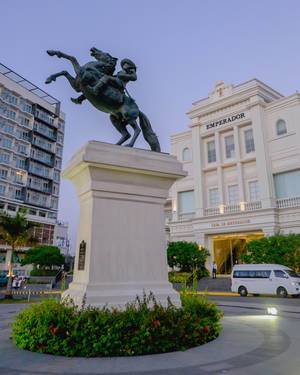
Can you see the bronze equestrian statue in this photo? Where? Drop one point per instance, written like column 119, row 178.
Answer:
column 107, row 92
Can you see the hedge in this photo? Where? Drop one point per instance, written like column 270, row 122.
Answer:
column 144, row 327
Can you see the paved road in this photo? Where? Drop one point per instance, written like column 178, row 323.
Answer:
column 251, row 343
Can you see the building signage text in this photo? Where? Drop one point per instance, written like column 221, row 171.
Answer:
column 226, row 120
column 231, row 222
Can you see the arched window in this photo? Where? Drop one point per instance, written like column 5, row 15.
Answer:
column 186, row 154
column 281, row 127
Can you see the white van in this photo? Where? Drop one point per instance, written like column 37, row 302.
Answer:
column 265, row 279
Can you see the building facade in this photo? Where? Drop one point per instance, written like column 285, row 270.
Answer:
column 31, row 147
column 242, row 157
column 62, row 237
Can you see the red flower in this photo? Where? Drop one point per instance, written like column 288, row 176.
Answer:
column 155, row 323
column 54, row 330
column 205, row 329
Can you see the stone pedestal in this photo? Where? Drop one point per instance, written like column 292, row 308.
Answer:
column 121, row 247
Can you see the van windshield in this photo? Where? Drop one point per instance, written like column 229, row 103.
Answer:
column 292, row 273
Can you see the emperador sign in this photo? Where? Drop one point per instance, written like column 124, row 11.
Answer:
column 226, row 120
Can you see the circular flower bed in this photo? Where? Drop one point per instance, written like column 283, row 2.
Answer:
column 144, row 327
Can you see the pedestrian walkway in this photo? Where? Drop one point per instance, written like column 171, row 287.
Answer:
column 249, row 344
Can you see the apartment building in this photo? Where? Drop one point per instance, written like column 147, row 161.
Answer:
column 31, row 147
column 242, row 157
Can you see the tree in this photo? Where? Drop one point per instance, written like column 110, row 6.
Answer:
column 186, row 255
column 43, row 257
column 16, row 232
column 278, row 249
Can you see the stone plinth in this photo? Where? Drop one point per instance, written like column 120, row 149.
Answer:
column 121, row 247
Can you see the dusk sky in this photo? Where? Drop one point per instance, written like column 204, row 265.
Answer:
column 181, row 49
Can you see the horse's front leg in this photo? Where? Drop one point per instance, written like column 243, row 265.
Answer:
column 64, row 73
column 63, row 55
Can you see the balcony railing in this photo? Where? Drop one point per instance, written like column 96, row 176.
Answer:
column 188, row 216
column 232, row 208
column 49, row 134
column 288, row 202
column 40, row 188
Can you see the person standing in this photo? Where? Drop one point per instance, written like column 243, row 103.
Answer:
column 214, row 270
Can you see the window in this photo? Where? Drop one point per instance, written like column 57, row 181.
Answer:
column 287, row 184
column 56, row 176
column 211, row 152
column 7, row 142
column 229, row 147
column 233, row 194
column 281, row 127
column 4, row 158
column 186, row 154
column 2, row 189
column 186, row 202
column 249, row 141
column 251, row 274
column 254, row 193
column 18, row 194
column 213, row 197
column 22, row 149
column 281, row 274
column 24, row 121
column 3, row 173
column 20, row 163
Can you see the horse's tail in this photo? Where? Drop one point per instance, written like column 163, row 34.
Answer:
column 148, row 133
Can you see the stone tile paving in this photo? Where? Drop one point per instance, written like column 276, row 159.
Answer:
column 250, row 344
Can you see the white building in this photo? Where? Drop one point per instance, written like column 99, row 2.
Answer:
column 242, row 155
column 32, row 130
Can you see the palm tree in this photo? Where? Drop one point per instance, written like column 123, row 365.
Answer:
column 16, row 232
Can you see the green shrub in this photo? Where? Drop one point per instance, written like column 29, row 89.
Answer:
column 179, row 277
column 278, row 249
column 43, row 272
column 144, row 327
column 186, row 256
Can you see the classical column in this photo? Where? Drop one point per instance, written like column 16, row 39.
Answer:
column 197, row 171
column 239, row 165
column 121, row 243
column 264, row 171
column 219, row 168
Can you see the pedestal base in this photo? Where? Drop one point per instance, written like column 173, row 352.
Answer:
column 110, row 295
column 121, row 251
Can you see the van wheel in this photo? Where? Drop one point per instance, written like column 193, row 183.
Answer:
column 295, row 295
column 243, row 291
column 282, row 292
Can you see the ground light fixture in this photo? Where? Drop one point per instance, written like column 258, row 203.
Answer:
column 272, row 311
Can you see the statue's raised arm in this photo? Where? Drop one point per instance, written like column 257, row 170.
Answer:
column 107, row 92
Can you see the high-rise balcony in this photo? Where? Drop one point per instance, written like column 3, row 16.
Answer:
column 48, row 133
column 43, row 160
column 38, row 201
column 43, row 172
column 39, row 187
column 44, row 145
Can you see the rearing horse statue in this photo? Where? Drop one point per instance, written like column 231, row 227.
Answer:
column 107, row 92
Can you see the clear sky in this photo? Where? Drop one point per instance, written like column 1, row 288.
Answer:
column 181, row 48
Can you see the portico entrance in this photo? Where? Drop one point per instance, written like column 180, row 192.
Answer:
column 228, row 248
